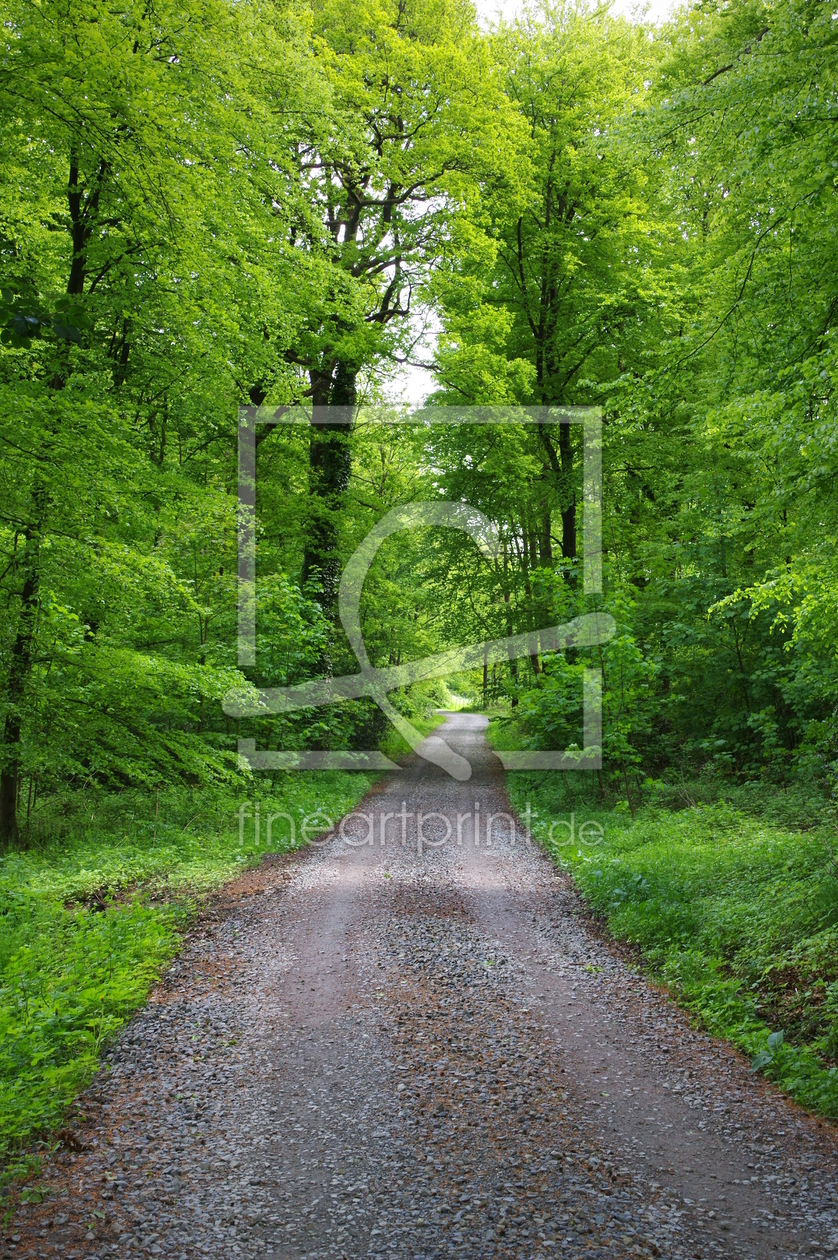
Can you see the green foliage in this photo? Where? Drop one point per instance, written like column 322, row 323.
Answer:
column 94, row 909
column 590, row 211
column 70, row 979
column 669, row 257
column 191, row 230
column 538, row 298
column 549, row 714
column 418, row 703
column 733, row 912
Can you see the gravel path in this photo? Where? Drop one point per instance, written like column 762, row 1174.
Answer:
column 420, row 1049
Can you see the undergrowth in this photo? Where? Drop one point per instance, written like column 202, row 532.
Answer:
column 734, row 908
column 422, row 704
column 395, row 746
column 93, row 908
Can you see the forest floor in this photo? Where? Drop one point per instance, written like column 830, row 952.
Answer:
column 424, row 1048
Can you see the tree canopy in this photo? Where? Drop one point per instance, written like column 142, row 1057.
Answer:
column 276, row 205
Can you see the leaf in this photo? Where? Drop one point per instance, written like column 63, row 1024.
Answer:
column 25, row 325
column 66, row 332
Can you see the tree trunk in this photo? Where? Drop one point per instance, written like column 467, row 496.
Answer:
column 545, row 548
column 83, row 206
column 568, row 490
column 329, row 461
column 8, row 814
column 562, row 469
column 329, row 467
column 21, row 660
column 513, row 663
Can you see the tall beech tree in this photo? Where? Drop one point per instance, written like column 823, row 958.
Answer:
column 570, row 257
column 417, row 128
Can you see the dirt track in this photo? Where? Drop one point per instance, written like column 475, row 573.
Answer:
column 404, row 1050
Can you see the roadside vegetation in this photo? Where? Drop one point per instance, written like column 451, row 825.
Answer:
column 423, row 706
column 94, row 907
column 730, row 896
column 98, row 893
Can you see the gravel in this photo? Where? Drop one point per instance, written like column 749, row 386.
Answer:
column 401, row 1050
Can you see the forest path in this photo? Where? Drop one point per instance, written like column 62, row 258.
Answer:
column 399, row 1050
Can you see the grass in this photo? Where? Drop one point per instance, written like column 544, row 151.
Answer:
column 734, row 909
column 396, row 746
column 95, row 907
